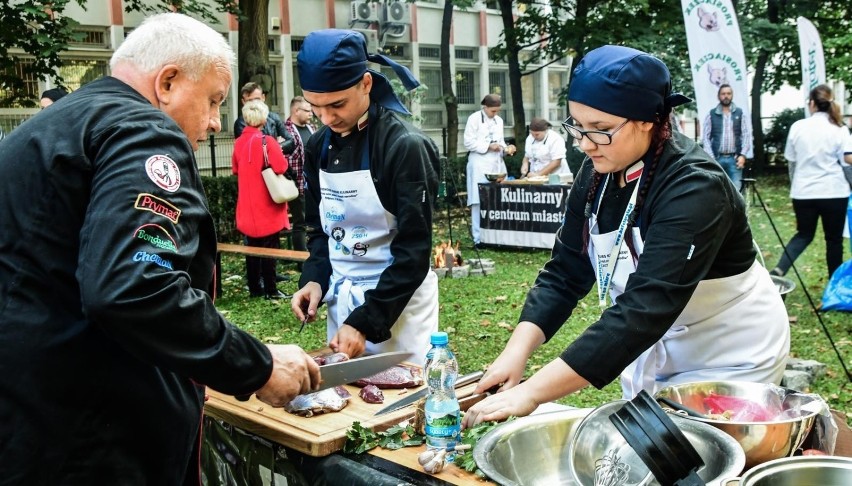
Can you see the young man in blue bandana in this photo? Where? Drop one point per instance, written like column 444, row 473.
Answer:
column 370, row 181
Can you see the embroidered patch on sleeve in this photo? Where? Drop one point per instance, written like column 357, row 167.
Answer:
column 164, row 172
column 150, row 202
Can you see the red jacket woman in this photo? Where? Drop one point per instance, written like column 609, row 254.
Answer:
column 258, row 216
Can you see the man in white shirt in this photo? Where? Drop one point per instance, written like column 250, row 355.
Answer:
column 544, row 151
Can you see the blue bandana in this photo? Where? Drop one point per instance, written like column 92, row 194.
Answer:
column 624, row 82
column 333, row 60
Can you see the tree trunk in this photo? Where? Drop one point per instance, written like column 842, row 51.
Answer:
column 450, row 100
column 759, row 162
column 520, row 125
column 580, row 20
column 253, row 63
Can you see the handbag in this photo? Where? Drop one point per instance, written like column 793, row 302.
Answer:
column 281, row 189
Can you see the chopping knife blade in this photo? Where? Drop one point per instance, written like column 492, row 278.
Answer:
column 348, row 371
column 406, row 401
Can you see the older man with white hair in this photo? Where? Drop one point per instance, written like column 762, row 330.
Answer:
column 107, row 248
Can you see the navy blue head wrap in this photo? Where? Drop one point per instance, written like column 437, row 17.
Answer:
column 624, row 82
column 333, row 60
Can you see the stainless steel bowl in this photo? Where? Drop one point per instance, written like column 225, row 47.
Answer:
column 761, row 441
column 494, row 177
column 783, row 284
column 798, row 471
column 534, row 450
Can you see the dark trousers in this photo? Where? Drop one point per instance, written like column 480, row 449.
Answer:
column 297, row 223
column 808, row 211
column 261, row 271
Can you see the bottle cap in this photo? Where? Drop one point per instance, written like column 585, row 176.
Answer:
column 439, row 337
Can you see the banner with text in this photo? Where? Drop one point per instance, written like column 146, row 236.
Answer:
column 716, row 54
column 524, row 215
column 813, row 62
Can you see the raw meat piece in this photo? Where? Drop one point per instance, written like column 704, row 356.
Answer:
column 398, row 376
column 741, row 409
column 324, row 359
column 324, row 401
column 372, row 394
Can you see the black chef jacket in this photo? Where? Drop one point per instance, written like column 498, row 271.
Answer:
column 404, row 164
column 106, row 329
column 690, row 202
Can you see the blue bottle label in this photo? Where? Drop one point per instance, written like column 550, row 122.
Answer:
column 446, row 425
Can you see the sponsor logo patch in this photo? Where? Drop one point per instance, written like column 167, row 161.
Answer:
column 360, row 249
column 157, row 236
column 164, row 172
column 359, row 232
column 144, row 256
column 149, row 202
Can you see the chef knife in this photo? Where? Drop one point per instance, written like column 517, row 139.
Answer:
column 406, row 401
column 351, row 370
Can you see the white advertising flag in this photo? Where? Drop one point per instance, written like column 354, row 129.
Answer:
column 716, row 54
column 813, row 62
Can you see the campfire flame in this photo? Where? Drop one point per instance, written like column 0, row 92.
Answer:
column 446, row 255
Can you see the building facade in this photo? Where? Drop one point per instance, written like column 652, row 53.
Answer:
column 409, row 33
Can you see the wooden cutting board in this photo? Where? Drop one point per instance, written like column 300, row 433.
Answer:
column 316, row 436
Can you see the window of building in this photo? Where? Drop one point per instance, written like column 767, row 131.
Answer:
column 466, row 87
column 78, row 72
column 432, row 79
column 556, row 82
column 396, row 51
column 466, row 54
column 430, row 52
column 529, row 92
column 29, row 91
column 498, row 83
column 91, row 37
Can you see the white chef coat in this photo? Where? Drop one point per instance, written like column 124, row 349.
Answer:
column 541, row 153
column 480, row 132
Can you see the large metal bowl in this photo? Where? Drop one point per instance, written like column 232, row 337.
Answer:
column 798, row 471
column 534, row 450
column 495, row 176
column 761, row 441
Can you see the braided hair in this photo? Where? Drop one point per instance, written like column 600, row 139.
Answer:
column 661, row 132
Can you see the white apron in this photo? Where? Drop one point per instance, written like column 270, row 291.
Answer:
column 480, row 164
column 360, row 231
column 732, row 328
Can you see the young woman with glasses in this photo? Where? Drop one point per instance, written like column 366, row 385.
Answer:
column 657, row 227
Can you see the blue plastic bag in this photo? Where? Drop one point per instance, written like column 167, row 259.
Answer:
column 838, row 292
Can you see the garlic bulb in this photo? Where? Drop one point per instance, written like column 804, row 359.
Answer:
column 436, row 463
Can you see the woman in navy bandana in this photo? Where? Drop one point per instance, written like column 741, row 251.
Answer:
column 658, row 228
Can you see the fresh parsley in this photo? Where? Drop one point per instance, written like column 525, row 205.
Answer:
column 360, row 439
column 471, row 437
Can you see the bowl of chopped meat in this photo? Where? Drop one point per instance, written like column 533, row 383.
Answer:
column 767, row 420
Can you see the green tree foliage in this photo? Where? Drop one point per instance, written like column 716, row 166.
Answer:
column 35, row 32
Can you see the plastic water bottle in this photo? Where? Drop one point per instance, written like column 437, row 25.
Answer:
column 443, row 419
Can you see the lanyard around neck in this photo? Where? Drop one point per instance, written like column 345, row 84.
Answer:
column 605, row 274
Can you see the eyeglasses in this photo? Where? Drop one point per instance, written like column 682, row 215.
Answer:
column 597, row 137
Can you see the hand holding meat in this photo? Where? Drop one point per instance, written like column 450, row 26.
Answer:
column 305, row 302
column 293, row 373
column 348, row 340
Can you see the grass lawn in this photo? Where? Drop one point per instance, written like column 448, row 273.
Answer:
column 479, row 313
